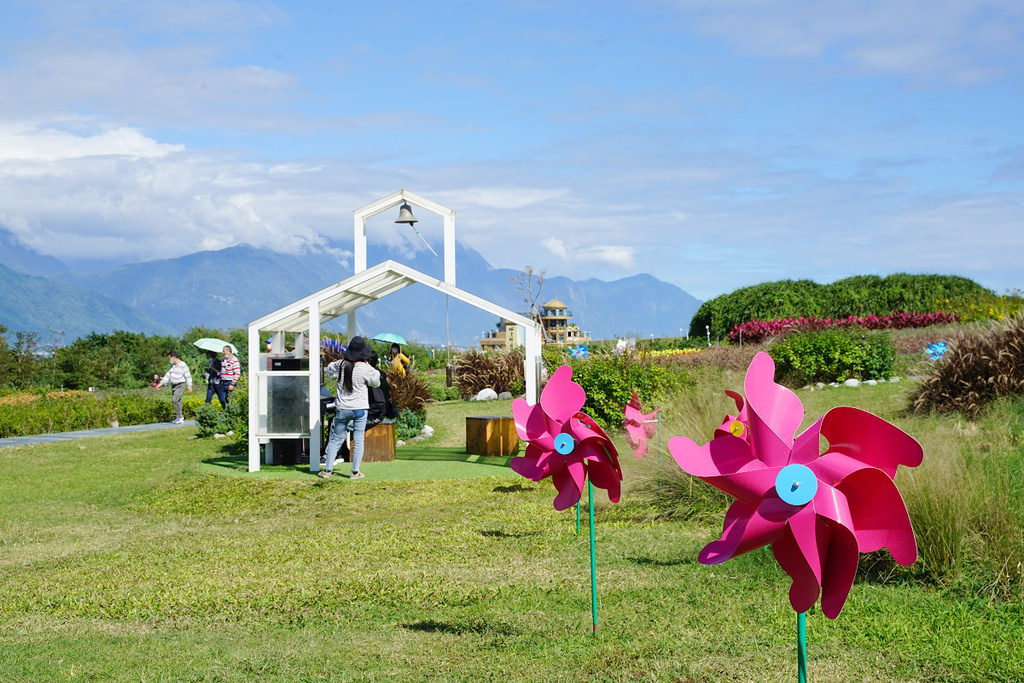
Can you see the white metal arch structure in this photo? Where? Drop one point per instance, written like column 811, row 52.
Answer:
column 306, row 315
column 380, row 206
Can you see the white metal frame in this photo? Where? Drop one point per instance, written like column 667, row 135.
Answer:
column 306, row 316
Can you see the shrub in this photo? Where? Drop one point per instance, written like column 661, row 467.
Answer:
column 26, row 413
column 609, row 381
column 410, row 392
column 209, row 421
column 498, row 370
column 409, row 424
column 857, row 296
column 832, row 356
column 975, row 370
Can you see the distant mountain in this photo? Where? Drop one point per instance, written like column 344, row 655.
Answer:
column 53, row 309
column 17, row 256
column 229, row 288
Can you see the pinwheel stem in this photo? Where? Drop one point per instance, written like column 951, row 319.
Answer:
column 577, row 518
column 593, row 556
column 801, row 646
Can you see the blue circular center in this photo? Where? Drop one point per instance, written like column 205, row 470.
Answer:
column 796, row 484
column 564, row 444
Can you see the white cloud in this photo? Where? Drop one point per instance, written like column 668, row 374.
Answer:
column 26, row 142
column 609, row 254
column 556, row 247
column 962, row 42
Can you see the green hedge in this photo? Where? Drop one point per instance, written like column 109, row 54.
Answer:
column 47, row 413
column 833, row 356
column 609, row 381
column 860, row 296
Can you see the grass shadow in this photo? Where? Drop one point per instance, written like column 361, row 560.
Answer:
column 514, row 488
column 459, row 628
column 498, row 533
column 651, row 562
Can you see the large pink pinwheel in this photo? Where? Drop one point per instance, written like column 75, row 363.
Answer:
column 565, row 443
column 817, row 510
column 639, row 426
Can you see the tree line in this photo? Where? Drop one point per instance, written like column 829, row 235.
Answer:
column 109, row 360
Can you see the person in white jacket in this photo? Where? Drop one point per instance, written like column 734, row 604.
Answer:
column 355, row 376
column 179, row 377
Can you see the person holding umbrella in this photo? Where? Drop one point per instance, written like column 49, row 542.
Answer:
column 230, row 372
column 399, row 361
column 179, row 377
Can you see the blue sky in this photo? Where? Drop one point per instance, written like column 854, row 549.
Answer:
column 711, row 143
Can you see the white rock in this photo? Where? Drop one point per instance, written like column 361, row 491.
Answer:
column 487, row 395
column 820, row 385
column 427, row 431
column 852, row 382
column 894, row 379
column 870, row 382
column 833, row 384
column 505, row 395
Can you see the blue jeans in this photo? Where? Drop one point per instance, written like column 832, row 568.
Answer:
column 344, row 422
column 219, row 390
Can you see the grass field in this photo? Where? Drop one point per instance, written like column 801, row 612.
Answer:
column 152, row 557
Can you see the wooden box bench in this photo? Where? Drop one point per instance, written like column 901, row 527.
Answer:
column 491, row 435
column 379, row 443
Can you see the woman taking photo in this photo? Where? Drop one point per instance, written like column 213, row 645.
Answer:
column 355, row 376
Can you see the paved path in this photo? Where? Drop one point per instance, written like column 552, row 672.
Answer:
column 67, row 436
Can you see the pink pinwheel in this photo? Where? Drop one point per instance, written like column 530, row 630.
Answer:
column 639, row 426
column 565, row 443
column 817, row 510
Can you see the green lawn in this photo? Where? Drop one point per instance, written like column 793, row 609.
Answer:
column 134, row 558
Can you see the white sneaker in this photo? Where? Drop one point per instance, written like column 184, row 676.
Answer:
column 324, row 474
column 178, row 421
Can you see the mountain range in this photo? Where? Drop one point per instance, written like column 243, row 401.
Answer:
column 230, row 287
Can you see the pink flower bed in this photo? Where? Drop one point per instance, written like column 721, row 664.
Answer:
column 756, row 331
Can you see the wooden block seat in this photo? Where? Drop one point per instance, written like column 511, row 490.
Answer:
column 491, row 435
column 379, row 442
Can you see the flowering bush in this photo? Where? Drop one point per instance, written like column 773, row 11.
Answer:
column 756, row 331
column 833, row 356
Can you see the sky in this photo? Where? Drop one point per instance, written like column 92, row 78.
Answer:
column 714, row 144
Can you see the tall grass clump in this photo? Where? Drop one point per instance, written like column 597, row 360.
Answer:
column 966, row 501
column 976, row 369
column 693, row 410
column 497, row 370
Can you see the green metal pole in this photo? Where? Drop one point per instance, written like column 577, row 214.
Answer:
column 801, row 646
column 593, row 556
column 577, row 518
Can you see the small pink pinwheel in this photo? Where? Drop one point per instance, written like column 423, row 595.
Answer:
column 565, row 443
column 639, row 426
column 817, row 510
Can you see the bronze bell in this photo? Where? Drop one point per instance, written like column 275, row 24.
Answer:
column 405, row 214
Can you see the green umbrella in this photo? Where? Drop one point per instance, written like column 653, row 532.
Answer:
column 390, row 338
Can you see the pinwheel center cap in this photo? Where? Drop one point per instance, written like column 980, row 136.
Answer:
column 796, row 484
column 564, row 444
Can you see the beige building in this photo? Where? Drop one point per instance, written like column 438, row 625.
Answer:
column 506, row 336
column 555, row 318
